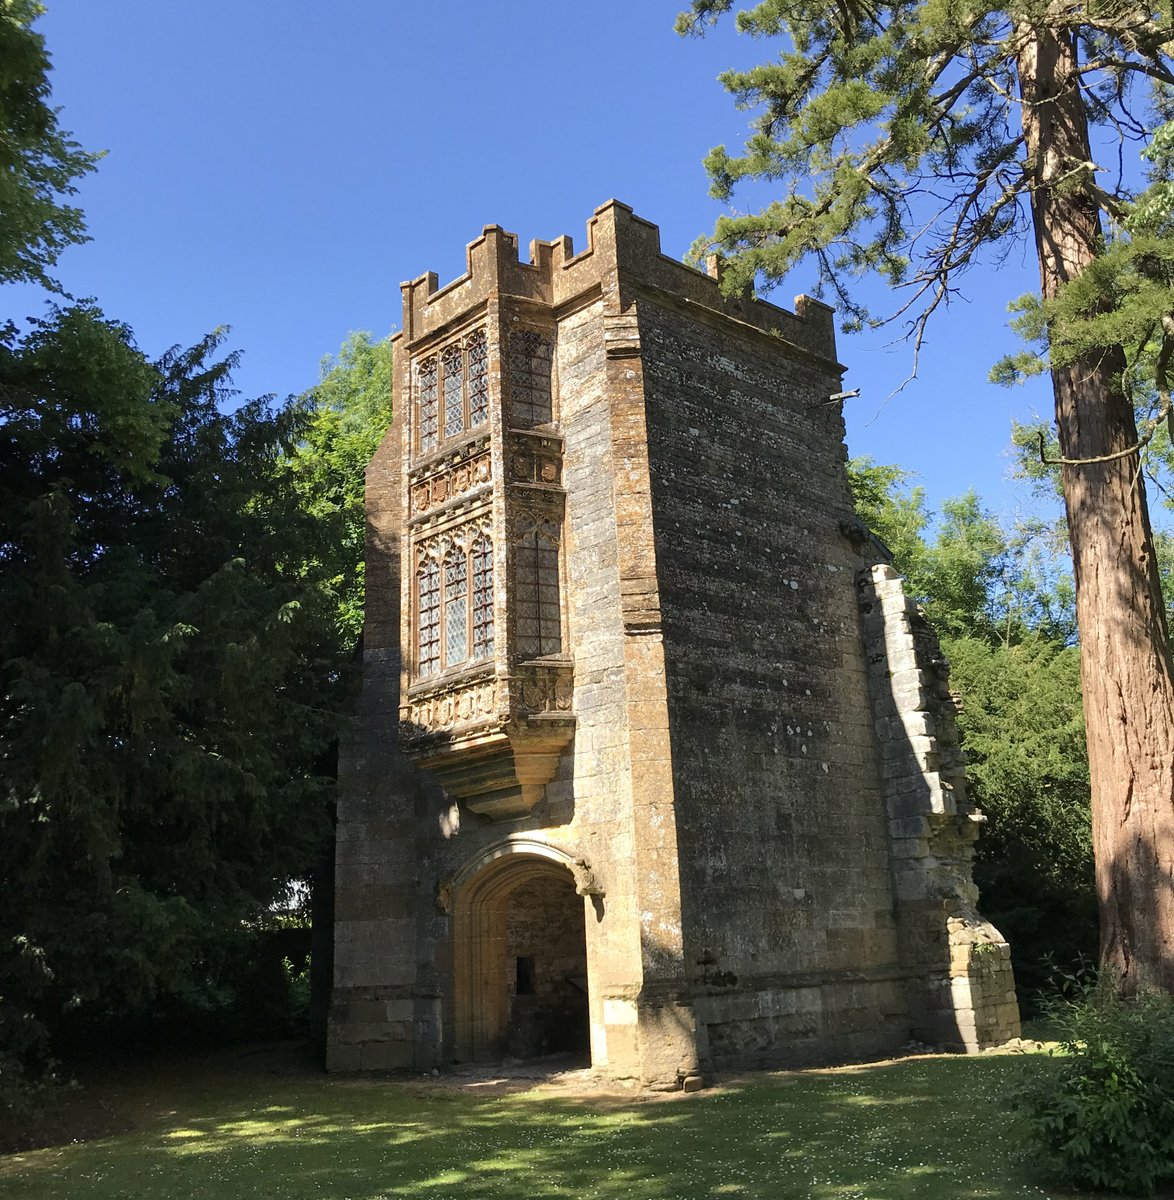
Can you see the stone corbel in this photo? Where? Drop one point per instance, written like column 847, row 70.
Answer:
column 586, row 883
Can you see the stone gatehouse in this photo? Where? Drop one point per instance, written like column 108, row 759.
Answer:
column 653, row 757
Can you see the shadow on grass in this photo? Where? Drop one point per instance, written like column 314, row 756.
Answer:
column 928, row 1127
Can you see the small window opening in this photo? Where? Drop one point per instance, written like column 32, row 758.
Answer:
column 525, row 977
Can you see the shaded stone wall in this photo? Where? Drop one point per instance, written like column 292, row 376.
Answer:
column 377, row 1020
column 791, row 945
column 548, row 989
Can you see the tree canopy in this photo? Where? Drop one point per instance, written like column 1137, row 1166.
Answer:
column 894, row 133
column 345, row 416
column 39, row 162
column 169, row 669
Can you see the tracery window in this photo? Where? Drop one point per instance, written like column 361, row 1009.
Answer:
column 478, row 355
column 536, row 592
column 531, row 359
column 428, row 399
column 454, row 625
column 428, row 618
column 452, row 364
column 452, row 391
column 482, row 597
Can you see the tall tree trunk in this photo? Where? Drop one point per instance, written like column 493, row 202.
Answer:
column 1125, row 660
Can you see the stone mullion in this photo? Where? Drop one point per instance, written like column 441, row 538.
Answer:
column 496, row 341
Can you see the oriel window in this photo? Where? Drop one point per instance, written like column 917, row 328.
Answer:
column 536, row 594
column 452, row 391
column 428, row 618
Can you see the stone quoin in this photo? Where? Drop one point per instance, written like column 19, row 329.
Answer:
column 653, row 757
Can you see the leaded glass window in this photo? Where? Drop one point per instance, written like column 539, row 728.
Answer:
column 454, row 621
column 454, row 390
column 456, row 608
column 536, row 596
column 428, row 618
column 478, row 379
column 530, row 388
column 429, row 397
column 482, row 555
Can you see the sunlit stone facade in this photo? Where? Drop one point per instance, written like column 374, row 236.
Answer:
column 653, row 757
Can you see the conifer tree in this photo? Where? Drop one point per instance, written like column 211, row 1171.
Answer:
column 908, row 138
column 169, row 673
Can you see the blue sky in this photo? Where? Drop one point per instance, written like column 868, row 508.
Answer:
column 280, row 166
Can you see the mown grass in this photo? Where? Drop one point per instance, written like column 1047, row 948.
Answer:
column 937, row 1128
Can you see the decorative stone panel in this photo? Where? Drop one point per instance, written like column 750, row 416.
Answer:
column 492, row 744
column 459, row 476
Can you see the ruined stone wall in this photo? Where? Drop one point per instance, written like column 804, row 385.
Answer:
column 961, row 991
column 790, row 941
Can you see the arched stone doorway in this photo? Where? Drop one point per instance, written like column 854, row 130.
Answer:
column 519, row 956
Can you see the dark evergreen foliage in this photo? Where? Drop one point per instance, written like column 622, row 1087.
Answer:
column 169, row 673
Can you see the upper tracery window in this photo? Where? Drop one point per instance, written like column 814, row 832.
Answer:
column 531, row 360
column 453, row 622
column 452, row 391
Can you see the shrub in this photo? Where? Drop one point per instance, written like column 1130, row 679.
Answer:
column 1105, row 1116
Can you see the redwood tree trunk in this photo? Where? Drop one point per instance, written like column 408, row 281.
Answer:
column 1125, row 660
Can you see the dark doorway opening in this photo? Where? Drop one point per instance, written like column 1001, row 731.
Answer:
column 546, row 944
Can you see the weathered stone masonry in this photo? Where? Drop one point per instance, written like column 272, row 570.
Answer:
column 632, row 676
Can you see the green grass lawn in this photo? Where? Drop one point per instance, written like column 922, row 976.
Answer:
column 259, row 1125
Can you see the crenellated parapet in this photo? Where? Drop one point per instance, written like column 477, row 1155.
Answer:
column 618, row 243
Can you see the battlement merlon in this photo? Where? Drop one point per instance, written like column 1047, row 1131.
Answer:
column 622, row 258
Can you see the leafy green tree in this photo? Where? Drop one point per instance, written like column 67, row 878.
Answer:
column 346, row 415
column 169, row 674
column 894, row 511
column 39, row 163
column 974, row 578
column 910, row 138
column 1027, row 765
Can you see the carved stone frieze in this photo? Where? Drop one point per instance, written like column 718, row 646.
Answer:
column 456, row 479
column 462, row 536
column 448, row 710
column 541, row 687
column 533, row 459
column 542, row 513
